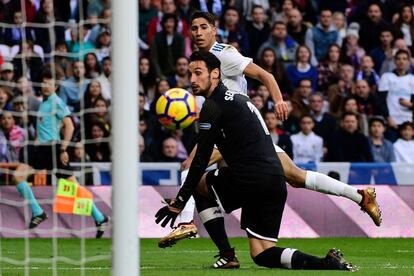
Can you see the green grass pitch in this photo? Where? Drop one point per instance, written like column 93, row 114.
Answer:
column 192, row 257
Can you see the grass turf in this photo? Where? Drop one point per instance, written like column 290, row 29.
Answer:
column 192, row 257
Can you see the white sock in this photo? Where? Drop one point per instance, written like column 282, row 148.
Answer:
column 286, row 257
column 327, row 185
column 187, row 214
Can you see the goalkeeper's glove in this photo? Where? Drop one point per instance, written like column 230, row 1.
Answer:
column 169, row 212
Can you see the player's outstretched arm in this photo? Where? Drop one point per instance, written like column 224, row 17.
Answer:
column 254, row 71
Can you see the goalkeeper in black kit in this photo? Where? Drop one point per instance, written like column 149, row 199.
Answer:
column 253, row 181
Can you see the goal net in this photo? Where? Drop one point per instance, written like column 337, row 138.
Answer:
column 59, row 136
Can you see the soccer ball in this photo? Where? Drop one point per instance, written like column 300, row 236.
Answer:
column 176, row 109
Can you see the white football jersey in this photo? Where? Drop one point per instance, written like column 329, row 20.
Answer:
column 232, row 66
column 398, row 87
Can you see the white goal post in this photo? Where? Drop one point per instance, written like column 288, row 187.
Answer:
column 125, row 247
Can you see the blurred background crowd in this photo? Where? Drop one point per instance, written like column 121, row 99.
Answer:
column 345, row 68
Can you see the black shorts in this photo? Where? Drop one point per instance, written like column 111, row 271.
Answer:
column 261, row 197
column 45, row 157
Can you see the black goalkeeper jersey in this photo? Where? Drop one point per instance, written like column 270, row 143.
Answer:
column 231, row 121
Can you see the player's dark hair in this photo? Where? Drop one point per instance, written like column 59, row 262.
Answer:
column 211, row 61
column 206, row 15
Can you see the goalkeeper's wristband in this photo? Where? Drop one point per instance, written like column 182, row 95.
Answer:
column 178, row 203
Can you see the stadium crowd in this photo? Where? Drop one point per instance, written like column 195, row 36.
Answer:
column 345, row 68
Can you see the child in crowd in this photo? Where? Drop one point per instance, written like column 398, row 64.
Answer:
column 368, row 73
column 404, row 146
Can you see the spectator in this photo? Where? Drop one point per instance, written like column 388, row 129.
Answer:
column 73, row 88
column 257, row 29
column 384, row 50
column 161, row 87
column 93, row 91
column 382, row 149
column 105, row 78
column 96, row 7
column 143, row 155
column 302, row 68
column 167, row 46
column 32, row 62
column 181, row 78
column 324, row 122
column 404, row 146
column 347, row 144
column 178, row 136
column 307, row 146
column 269, row 62
column 396, row 89
column 284, row 46
column 230, row 31
column 350, row 105
column 329, row 68
column 322, row 35
column 77, row 154
column 146, row 13
column 169, row 151
column 368, row 102
column 344, row 88
column 258, row 102
column 147, row 78
column 404, row 26
column 389, row 63
column 339, row 21
column 265, row 94
column 278, row 136
column 100, row 113
column 296, row 27
column 7, row 72
column 105, row 18
column 14, row 35
column 14, row 135
column 23, row 118
column 351, row 49
column 79, row 42
column 103, row 45
column 24, row 88
column 92, row 67
column 185, row 9
column 282, row 13
column 98, row 149
column 212, row 6
column 155, row 26
column 291, row 125
column 5, row 98
column 371, row 27
column 300, row 99
column 368, row 73
column 46, row 15
column 61, row 60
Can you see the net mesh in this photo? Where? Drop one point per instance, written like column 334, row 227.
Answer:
column 15, row 211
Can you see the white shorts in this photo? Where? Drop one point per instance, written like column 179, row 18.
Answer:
column 278, row 149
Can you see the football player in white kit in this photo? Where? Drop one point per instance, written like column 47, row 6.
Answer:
column 233, row 68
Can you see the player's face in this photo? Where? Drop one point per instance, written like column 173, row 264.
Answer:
column 203, row 34
column 201, row 79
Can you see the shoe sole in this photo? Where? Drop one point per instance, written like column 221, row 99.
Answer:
column 229, row 265
column 169, row 242
column 372, row 194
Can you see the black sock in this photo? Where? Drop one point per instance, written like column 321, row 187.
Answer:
column 302, row 260
column 213, row 221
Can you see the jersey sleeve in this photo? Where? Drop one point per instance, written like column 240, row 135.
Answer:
column 232, row 62
column 209, row 128
column 61, row 109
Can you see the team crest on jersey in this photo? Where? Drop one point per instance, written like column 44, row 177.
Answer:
column 205, row 126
